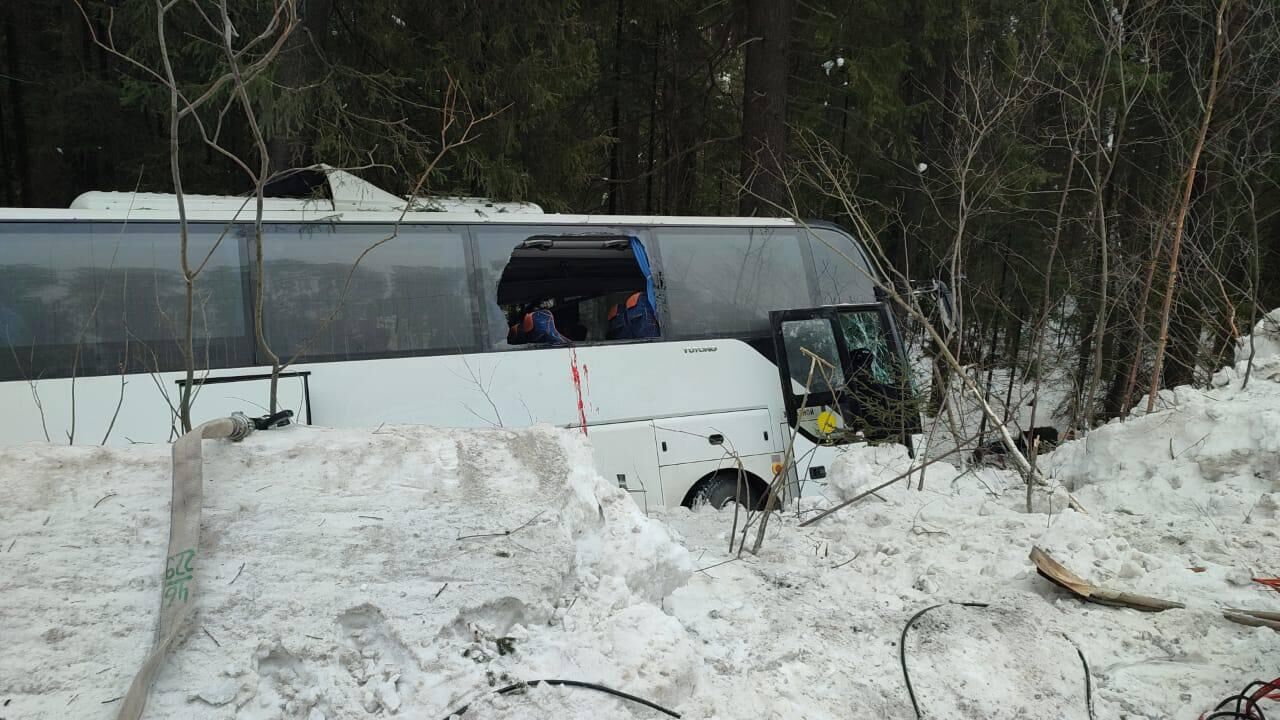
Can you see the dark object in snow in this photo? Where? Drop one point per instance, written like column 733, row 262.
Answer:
column 1246, row 702
column 1044, row 439
column 906, row 676
column 575, row 684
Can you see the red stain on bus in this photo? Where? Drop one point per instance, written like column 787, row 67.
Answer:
column 577, row 386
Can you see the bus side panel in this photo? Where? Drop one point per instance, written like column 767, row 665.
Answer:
column 568, row 387
column 627, row 455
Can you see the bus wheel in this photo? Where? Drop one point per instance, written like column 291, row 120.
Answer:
column 726, row 487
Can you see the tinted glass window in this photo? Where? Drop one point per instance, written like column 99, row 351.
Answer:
column 98, row 298
column 841, row 272
column 864, row 331
column 408, row 294
column 724, row 281
column 814, row 335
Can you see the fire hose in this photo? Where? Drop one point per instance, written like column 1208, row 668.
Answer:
column 178, row 589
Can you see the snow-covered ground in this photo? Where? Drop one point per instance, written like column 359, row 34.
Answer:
column 339, row 581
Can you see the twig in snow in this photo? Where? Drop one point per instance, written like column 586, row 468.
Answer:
column 1255, row 507
column 442, row 587
column 846, row 562
column 108, row 702
column 369, row 517
column 46, row 520
column 504, row 533
column 237, row 577
column 724, row 562
column 73, row 698
column 878, row 488
column 104, row 498
column 211, row 637
column 1202, row 439
column 919, row 529
column 264, row 487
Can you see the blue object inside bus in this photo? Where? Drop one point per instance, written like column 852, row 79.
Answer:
column 538, row 326
column 567, row 271
column 642, row 259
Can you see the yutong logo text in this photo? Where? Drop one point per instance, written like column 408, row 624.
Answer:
column 705, row 348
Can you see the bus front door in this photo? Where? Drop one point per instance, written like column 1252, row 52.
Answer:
column 844, row 373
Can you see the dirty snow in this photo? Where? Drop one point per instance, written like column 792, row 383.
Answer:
column 339, row 582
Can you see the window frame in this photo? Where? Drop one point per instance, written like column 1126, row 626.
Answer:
column 243, row 342
column 461, row 233
column 676, row 334
column 645, row 233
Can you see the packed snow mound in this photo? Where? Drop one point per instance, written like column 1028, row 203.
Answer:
column 344, row 574
column 1214, row 451
column 1263, row 346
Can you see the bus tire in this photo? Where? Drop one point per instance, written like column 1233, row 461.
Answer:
column 724, row 487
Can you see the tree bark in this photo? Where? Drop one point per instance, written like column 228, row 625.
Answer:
column 615, row 149
column 764, row 106
column 1179, row 226
column 297, row 68
column 21, row 160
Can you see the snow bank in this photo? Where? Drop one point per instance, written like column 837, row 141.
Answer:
column 338, row 576
column 1213, row 453
column 1262, row 345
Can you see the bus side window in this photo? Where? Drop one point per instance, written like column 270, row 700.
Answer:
column 725, row 281
column 593, row 283
column 841, row 274
column 100, row 298
column 407, row 296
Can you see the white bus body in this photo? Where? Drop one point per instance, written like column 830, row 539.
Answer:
column 420, row 337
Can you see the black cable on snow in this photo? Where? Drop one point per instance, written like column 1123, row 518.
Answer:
column 576, row 684
column 906, row 676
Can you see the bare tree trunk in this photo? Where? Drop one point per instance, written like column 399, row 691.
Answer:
column 615, row 150
column 188, row 277
column 1100, row 327
column 1162, row 340
column 21, row 162
column 297, row 66
column 1140, row 324
column 764, row 105
column 1042, row 323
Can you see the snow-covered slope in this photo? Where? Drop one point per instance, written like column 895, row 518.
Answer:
column 338, row 581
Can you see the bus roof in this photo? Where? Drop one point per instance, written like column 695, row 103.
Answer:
column 275, row 215
column 342, row 197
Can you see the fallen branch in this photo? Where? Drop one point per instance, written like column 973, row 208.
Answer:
column 879, row 487
column 1056, row 573
column 504, row 533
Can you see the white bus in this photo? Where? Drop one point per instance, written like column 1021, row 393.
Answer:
column 675, row 343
